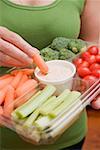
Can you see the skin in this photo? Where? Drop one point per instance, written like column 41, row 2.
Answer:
column 13, row 48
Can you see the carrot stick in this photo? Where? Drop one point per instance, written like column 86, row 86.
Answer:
column 40, row 63
column 5, row 82
column 25, row 71
column 23, row 80
column 17, row 79
column 14, row 72
column 1, row 110
column 21, row 100
column 9, row 101
column 5, row 76
column 3, row 94
column 31, row 83
column 28, row 71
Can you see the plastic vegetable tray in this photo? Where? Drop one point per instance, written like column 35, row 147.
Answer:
column 56, row 126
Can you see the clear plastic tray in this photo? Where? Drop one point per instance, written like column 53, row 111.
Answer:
column 55, row 128
column 58, row 125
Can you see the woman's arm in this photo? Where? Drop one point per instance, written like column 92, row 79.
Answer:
column 90, row 27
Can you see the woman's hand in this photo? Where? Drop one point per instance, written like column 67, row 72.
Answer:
column 14, row 50
column 96, row 103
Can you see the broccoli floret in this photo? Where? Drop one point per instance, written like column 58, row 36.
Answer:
column 49, row 54
column 76, row 45
column 65, row 54
column 59, row 43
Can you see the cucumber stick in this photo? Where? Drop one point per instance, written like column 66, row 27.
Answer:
column 54, row 103
column 36, row 102
column 70, row 99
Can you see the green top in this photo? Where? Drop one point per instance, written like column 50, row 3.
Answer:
column 39, row 26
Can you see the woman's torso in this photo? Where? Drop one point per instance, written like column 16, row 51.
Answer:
column 39, row 26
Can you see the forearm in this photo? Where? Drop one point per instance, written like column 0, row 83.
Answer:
column 90, row 21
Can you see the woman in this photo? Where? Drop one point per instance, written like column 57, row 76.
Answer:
column 39, row 22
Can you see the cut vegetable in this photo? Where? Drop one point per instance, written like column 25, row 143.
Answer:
column 14, row 115
column 9, row 101
column 23, row 80
column 56, row 102
column 1, row 110
column 17, row 79
column 34, row 103
column 42, row 122
column 48, row 103
column 25, row 71
column 40, row 63
column 24, row 98
column 2, row 94
column 29, row 84
column 31, row 119
column 5, row 76
column 5, row 82
column 70, row 99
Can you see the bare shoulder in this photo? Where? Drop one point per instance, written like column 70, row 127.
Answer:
column 90, row 18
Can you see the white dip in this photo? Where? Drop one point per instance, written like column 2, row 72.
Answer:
column 56, row 73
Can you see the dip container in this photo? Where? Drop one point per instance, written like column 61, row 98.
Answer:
column 62, row 83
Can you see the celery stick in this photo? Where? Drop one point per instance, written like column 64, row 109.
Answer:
column 48, row 102
column 42, row 122
column 44, row 109
column 56, row 102
column 31, row 118
column 35, row 114
column 36, row 102
column 70, row 99
column 14, row 114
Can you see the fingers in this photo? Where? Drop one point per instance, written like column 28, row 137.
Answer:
column 14, row 52
column 18, row 41
column 96, row 103
column 10, row 61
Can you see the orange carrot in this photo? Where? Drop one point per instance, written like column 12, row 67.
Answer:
column 5, row 82
column 21, row 100
column 9, row 101
column 28, row 71
column 23, row 80
column 3, row 94
column 1, row 110
column 5, row 76
column 40, row 63
column 17, row 79
column 31, row 83
column 14, row 72
column 25, row 71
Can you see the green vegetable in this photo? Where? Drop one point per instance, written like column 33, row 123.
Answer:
column 42, row 122
column 69, row 100
column 65, row 54
column 36, row 113
column 53, row 104
column 14, row 114
column 27, row 108
column 49, row 54
column 59, row 43
column 76, row 45
column 31, row 118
